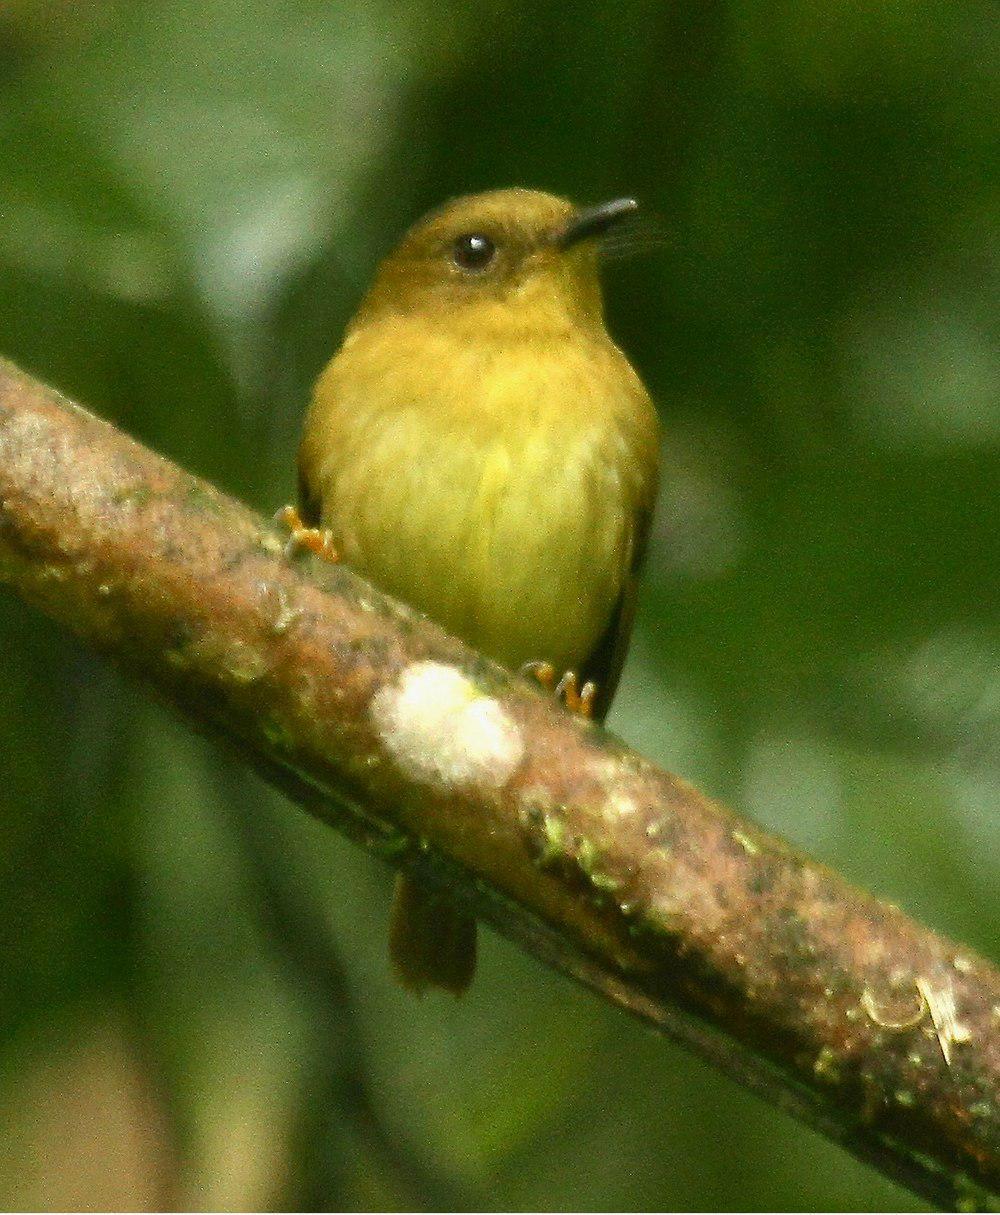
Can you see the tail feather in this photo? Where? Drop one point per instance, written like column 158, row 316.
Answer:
column 432, row 942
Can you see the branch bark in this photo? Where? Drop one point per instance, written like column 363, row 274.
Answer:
column 833, row 1005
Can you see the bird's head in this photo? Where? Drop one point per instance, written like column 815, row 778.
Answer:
column 498, row 263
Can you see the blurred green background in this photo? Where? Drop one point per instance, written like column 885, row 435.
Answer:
column 195, row 1005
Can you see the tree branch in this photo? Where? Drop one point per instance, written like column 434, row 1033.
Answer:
column 833, row 1005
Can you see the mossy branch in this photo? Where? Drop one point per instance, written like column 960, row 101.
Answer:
column 835, row 1006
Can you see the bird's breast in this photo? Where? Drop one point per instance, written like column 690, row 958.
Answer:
column 494, row 493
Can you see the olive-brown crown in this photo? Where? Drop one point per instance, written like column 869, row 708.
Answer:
column 493, row 260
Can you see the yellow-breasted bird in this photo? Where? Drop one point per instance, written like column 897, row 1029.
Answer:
column 480, row 448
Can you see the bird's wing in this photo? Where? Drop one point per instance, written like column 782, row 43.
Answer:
column 309, row 508
column 604, row 663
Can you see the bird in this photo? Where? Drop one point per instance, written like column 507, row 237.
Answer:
column 480, row 448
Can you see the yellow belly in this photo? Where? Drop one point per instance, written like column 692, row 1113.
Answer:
column 487, row 499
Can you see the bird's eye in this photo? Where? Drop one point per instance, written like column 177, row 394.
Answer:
column 473, row 251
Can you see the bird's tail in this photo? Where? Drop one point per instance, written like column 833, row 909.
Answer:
column 432, row 942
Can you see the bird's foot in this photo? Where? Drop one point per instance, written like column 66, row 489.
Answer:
column 317, row 540
column 579, row 700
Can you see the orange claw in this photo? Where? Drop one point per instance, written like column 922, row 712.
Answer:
column 578, row 700
column 542, row 672
column 317, row 540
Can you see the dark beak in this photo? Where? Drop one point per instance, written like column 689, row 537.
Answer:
column 595, row 221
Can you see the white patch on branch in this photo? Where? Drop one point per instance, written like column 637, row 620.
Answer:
column 441, row 729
